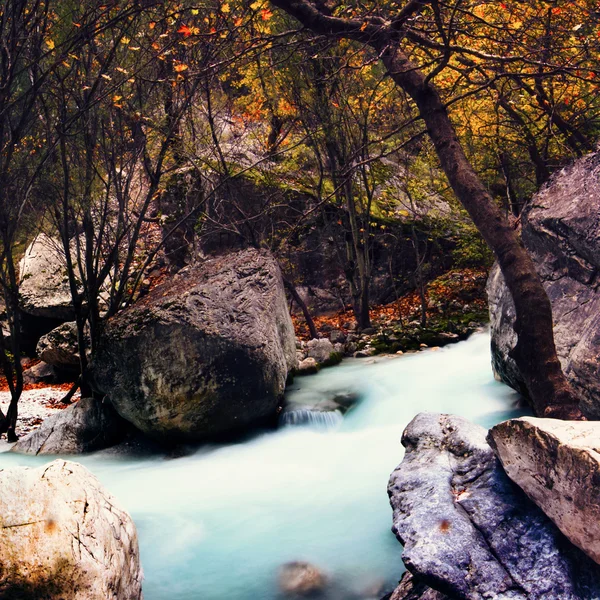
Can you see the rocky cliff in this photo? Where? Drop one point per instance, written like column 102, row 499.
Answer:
column 561, row 230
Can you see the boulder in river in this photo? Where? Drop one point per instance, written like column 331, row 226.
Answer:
column 301, row 578
column 561, row 231
column 62, row 536
column 557, row 463
column 206, row 353
column 86, row 426
column 468, row 531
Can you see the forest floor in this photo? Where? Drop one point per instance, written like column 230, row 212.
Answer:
column 456, row 306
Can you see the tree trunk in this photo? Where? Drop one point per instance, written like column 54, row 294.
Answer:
column 291, row 288
column 535, row 352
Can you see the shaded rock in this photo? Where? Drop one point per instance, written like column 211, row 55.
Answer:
column 413, row 589
column 63, row 536
column 319, row 349
column 59, row 347
column 301, row 578
column 337, row 337
column 206, row 353
column 44, row 285
column 86, row 426
column 39, row 373
column 557, row 464
column 561, row 230
column 468, row 531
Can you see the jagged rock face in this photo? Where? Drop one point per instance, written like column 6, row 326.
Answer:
column 63, row 536
column 557, row 463
column 86, row 426
column 59, row 347
column 561, row 230
column 44, row 285
column 412, row 589
column 468, row 531
column 206, row 353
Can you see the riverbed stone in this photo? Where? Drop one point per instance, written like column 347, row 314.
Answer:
column 468, row 531
column 206, row 353
column 557, row 463
column 301, row 578
column 319, row 349
column 62, row 536
column 86, row 426
column 561, row 231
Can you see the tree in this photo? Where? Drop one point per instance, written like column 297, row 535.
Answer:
column 535, row 352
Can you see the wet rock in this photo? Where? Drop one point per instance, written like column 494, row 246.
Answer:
column 468, row 531
column 59, row 347
column 86, row 426
column 301, row 578
column 206, row 353
column 557, row 463
column 308, row 366
column 63, row 536
column 561, row 231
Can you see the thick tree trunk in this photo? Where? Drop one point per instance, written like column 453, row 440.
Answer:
column 535, row 352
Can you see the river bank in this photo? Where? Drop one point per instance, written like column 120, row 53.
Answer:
column 297, row 493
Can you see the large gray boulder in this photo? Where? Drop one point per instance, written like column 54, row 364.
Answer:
column 561, row 230
column 86, row 426
column 44, row 287
column 62, row 536
column 557, row 463
column 203, row 354
column 468, row 531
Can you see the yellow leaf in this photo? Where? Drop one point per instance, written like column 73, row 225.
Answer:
column 225, row 7
column 50, row 44
column 181, row 67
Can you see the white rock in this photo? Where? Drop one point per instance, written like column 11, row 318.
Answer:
column 62, row 536
column 557, row 464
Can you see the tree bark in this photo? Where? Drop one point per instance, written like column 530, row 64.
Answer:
column 535, row 352
column 291, row 288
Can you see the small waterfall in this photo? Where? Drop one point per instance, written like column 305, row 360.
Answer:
column 314, row 418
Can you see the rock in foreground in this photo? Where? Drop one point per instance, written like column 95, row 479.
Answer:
column 561, row 231
column 206, row 353
column 62, row 537
column 468, row 531
column 86, row 426
column 557, row 463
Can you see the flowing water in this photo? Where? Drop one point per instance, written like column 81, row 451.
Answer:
column 217, row 524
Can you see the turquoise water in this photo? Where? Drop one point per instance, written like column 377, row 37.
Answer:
column 216, row 525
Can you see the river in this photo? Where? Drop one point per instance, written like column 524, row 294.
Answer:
column 217, row 524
